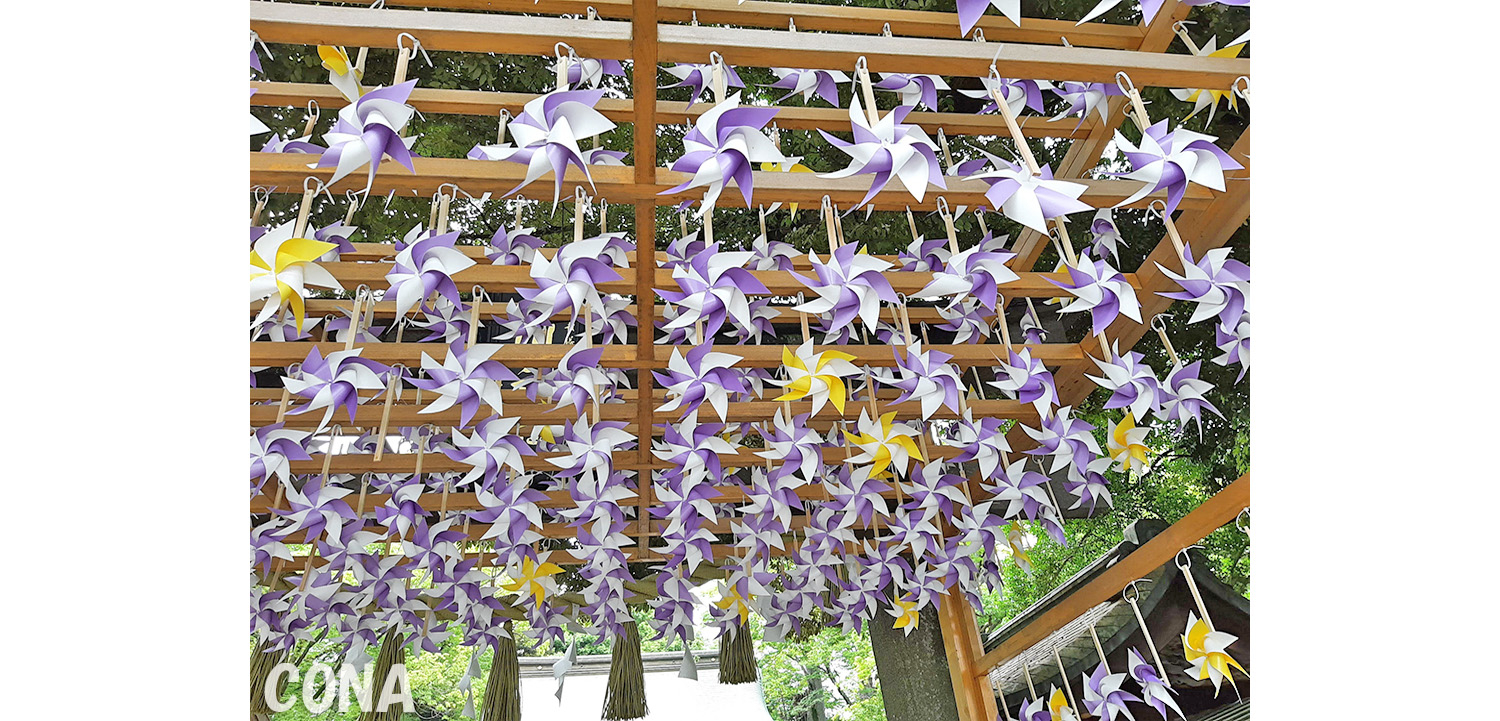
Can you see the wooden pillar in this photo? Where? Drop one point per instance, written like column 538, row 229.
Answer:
column 643, row 81
column 971, row 687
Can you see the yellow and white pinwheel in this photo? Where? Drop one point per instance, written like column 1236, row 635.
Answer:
column 906, row 615
column 1209, row 99
column 1058, row 703
column 1015, row 537
column 819, row 376
column 281, row 266
column 535, row 579
column 885, row 445
column 342, row 74
column 1127, row 443
column 731, row 600
column 1206, row 654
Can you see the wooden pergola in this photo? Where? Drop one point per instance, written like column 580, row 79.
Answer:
column 756, row 34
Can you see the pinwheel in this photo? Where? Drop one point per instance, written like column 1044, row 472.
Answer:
column 913, row 87
column 969, row 12
column 1030, row 199
column 1217, row 285
column 1127, row 443
column 577, row 380
column 702, row 376
column 272, row 448
column 1058, row 703
column 1034, row 710
column 692, row 450
column 343, row 75
column 698, row 76
column 850, row 285
column 819, row 376
column 723, row 147
column 404, row 508
column 973, row 272
column 1031, row 326
column 888, row 148
column 1084, row 99
column 983, row 442
column 794, row 444
column 1101, row 290
column 771, row 254
column 714, row 288
column 317, row 509
column 1068, row 440
column 1019, row 94
column 683, row 250
column 1236, row 345
column 1154, row 689
column 431, row 546
column 1106, row 235
column 569, row 279
column 1171, row 160
column 591, row 72
column 444, row 322
column 547, row 134
column 1204, row 98
column 1185, row 401
column 797, row 80
column 761, row 316
column 924, row 256
column 884, row 444
column 934, row 492
column 466, row 377
column 672, row 610
column 492, row 447
column 589, row 448
column 281, row 268
column 425, row 267
column 906, row 614
column 335, row 382
column 266, row 545
column 533, row 579
column 1027, row 380
column 1024, row 492
column 1104, row 698
column 1207, row 654
column 1132, row 383
column 513, row 246
column 368, row 130
column 275, row 144
column 966, row 321
column 926, row 376
column 256, row 126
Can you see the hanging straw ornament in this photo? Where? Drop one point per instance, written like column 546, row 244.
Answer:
column 502, row 692
column 1206, row 649
column 625, row 692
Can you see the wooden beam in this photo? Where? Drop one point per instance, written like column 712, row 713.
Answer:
column 441, row 101
column 963, row 646
column 643, row 18
column 286, row 171
column 824, row 18
column 1201, row 521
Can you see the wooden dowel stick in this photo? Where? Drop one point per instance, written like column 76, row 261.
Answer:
column 403, row 58
column 1140, row 619
column 1063, row 672
column 303, row 212
column 1026, row 671
column 1015, row 131
column 1099, row 647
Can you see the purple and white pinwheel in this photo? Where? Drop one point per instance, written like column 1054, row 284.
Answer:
column 1106, row 235
column 1153, row 687
column 761, row 325
column 514, row 517
column 1185, row 401
column 888, row 148
column 425, row 267
column 793, row 445
column 272, row 448
column 513, row 246
column 1149, row 8
column 1070, row 441
column 698, row 76
column 1084, row 99
column 913, row 87
column 924, row 256
column 1024, row 492
column 926, row 376
column 1031, row 326
column 983, row 442
column 547, row 134
column 590, row 448
column 724, row 145
column 591, row 72
column 1132, row 383
column 275, row 144
column 493, row 447
column 934, row 492
column 1018, row 94
column 368, row 130
column 1171, row 160
column 771, row 254
column 767, row 513
column 316, row 509
column 1217, row 284
column 1030, row 199
column 683, row 250
column 972, row 273
column 577, row 380
column 335, row 382
column 1100, row 289
column 1103, row 697
column 701, row 376
column 466, row 377
column 1027, row 380
column 444, row 322
column 715, row 287
column 969, row 12
column 851, row 285
column 571, row 278
column 966, row 320
column 825, row 83
column 1089, row 484
column 672, row 609
column 1236, row 345
column 693, row 450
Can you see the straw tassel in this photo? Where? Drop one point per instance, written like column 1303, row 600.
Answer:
column 502, row 693
column 737, row 657
column 261, row 663
column 625, row 695
column 392, row 652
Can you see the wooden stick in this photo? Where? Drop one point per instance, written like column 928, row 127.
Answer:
column 385, row 413
column 1161, row 668
column 952, row 232
column 442, row 217
column 862, row 76
column 1187, row 573
column 1094, row 634
column 1014, row 127
column 303, row 211
column 1026, row 671
column 947, row 155
column 1063, row 672
column 911, row 222
column 403, row 58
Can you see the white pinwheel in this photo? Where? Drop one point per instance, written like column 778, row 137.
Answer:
column 547, row 133
column 1101, row 290
column 1027, row 379
column 514, row 518
column 851, row 284
column 281, row 268
column 589, row 449
column 1133, row 384
column 269, row 448
column 492, row 446
column 974, row 272
column 1172, row 161
column 696, row 379
column 369, row 129
column 425, row 266
column 888, row 148
column 466, row 377
column 788, row 440
column 689, row 450
column 561, row 285
column 723, row 146
column 1030, row 198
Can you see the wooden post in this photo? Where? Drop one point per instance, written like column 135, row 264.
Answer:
column 961, row 640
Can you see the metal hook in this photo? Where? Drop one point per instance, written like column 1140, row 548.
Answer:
column 942, row 207
column 695, row 18
column 714, row 58
column 1245, row 93
column 255, row 38
column 593, row 14
column 322, row 187
column 1183, row 559
column 1159, row 322
column 978, row 35
column 377, row 5
column 994, row 61
column 791, row 25
column 260, row 194
column 557, row 48
column 416, row 46
column 1131, row 587
column 1244, row 515
column 312, row 108
column 1122, row 79
column 1158, row 212
column 886, row 30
